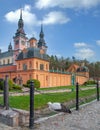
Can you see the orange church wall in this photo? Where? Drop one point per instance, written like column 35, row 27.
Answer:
column 56, row 79
column 33, row 71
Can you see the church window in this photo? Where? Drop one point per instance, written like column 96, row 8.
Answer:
column 24, row 66
column 23, row 42
column 46, row 67
column 4, row 62
column 8, row 61
column 30, row 64
column 17, row 41
column 19, row 66
column 41, row 67
column 36, row 65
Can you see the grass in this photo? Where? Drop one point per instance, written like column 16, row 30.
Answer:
column 65, row 87
column 40, row 101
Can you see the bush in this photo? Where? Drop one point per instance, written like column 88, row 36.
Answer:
column 90, row 82
column 10, row 83
column 17, row 87
column 36, row 83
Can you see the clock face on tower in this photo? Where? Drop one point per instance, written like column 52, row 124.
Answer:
column 23, row 42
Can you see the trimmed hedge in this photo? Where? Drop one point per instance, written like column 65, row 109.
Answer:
column 36, row 83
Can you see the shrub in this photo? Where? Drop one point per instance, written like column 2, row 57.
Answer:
column 10, row 83
column 36, row 83
column 17, row 87
column 90, row 82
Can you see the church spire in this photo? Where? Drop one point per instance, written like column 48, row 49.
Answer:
column 10, row 47
column 20, row 30
column 41, row 32
column 41, row 43
column 21, row 23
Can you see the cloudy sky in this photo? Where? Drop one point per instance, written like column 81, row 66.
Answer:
column 71, row 27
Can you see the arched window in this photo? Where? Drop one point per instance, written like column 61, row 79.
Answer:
column 30, row 64
column 46, row 67
column 8, row 61
column 36, row 65
column 19, row 66
column 4, row 62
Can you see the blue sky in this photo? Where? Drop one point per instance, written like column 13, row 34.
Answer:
column 71, row 27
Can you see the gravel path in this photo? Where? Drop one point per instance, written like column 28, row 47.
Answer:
column 87, row 118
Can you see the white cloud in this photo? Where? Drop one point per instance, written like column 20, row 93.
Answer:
column 85, row 53
column 80, row 44
column 98, row 42
column 29, row 18
column 55, row 17
column 67, row 3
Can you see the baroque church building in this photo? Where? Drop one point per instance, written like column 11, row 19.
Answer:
column 28, row 60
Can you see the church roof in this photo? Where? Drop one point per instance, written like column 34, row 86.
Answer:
column 6, row 54
column 32, row 53
column 8, row 68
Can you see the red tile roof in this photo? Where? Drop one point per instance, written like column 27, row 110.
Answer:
column 11, row 68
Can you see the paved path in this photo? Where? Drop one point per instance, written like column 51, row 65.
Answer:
column 87, row 118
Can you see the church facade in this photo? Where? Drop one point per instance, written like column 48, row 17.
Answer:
column 28, row 59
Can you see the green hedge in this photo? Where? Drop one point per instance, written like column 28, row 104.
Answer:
column 36, row 83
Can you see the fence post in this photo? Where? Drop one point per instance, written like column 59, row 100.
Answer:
column 97, row 86
column 77, row 96
column 31, row 118
column 6, row 93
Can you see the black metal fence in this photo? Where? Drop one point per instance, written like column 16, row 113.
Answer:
column 31, row 116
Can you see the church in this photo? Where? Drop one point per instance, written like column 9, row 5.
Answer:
column 28, row 59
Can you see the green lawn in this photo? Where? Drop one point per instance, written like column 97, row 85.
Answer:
column 22, row 102
column 65, row 87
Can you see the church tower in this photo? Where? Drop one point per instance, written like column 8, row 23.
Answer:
column 41, row 43
column 20, row 39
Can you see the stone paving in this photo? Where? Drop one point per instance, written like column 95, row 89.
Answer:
column 87, row 118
